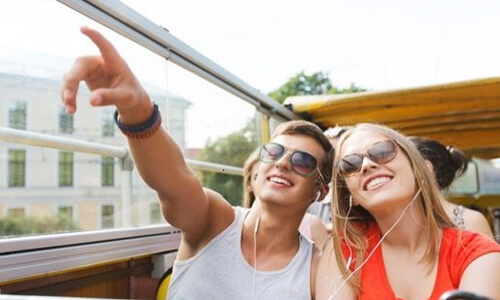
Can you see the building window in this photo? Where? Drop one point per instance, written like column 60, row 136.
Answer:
column 107, row 216
column 65, row 212
column 17, row 168
column 65, row 122
column 16, row 212
column 155, row 215
column 107, row 124
column 65, row 169
column 17, row 115
column 107, row 171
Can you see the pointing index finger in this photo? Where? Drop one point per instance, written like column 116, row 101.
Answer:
column 108, row 51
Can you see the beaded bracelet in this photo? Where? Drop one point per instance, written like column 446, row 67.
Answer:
column 144, row 130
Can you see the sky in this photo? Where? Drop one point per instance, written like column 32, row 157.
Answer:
column 377, row 45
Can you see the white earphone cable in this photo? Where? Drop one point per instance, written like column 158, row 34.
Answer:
column 256, row 229
column 375, row 248
column 346, row 238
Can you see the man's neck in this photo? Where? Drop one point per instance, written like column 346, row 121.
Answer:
column 275, row 239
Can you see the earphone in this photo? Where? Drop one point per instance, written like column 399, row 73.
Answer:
column 255, row 230
column 349, row 260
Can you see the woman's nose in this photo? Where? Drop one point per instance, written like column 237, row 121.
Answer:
column 367, row 164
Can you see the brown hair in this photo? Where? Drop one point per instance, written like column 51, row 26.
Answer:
column 248, row 167
column 435, row 215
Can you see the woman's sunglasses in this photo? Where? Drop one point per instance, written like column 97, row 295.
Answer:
column 302, row 162
column 380, row 153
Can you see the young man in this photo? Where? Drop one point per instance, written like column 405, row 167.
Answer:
column 225, row 252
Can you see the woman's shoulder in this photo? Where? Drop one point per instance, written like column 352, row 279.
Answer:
column 464, row 243
column 459, row 248
column 476, row 222
column 330, row 280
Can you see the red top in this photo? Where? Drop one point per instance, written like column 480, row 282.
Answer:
column 458, row 249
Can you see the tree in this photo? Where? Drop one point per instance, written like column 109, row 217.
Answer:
column 351, row 89
column 232, row 150
column 318, row 83
column 302, row 84
column 22, row 226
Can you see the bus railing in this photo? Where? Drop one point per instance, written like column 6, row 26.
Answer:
column 127, row 22
column 25, row 256
column 22, row 257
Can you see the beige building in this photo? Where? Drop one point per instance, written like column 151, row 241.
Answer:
column 42, row 182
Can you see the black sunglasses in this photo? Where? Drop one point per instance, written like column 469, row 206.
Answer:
column 380, row 153
column 302, row 162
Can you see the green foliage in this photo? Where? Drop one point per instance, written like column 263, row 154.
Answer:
column 316, row 84
column 351, row 89
column 303, row 84
column 23, row 226
column 232, row 150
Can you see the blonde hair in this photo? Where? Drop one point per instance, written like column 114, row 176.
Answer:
column 435, row 215
column 250, row 163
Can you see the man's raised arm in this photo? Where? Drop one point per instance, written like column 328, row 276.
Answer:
column 159, row 160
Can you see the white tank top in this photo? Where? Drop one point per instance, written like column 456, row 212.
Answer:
column 219, row 271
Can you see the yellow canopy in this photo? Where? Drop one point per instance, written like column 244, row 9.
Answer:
column 463, row 114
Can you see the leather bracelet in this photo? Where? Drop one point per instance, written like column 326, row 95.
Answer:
column 144, row 130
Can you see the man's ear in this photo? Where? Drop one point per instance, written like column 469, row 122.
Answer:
column 323, row 190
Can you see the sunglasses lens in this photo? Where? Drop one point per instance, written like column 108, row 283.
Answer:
column 382, row 152
column 350, row 164
column 271, row 152
column 303, row 163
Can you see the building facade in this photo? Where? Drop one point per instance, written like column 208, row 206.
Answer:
column 83, row 189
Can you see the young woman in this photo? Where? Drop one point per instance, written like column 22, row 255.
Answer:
column 448, row 163
column 393, row 238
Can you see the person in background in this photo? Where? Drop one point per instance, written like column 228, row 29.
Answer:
column 393, row 238
column 225, row 252
column 322, row 208
column 311, row 226
column 447, row 164
column 250, row 168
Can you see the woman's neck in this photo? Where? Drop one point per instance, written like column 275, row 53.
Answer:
column 406, row 228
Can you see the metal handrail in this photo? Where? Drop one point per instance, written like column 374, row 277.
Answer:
column 69, row 144
column 127, row 22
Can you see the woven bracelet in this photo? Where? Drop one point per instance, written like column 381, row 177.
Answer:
column 144, row 130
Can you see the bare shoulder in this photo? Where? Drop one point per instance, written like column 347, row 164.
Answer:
column 477, row 222
column 318, row 231
column 329, row 279
column 220, row 214
column 316, row 255
column 481, row 276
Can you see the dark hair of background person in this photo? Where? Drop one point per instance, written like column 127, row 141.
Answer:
column 448, row 162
